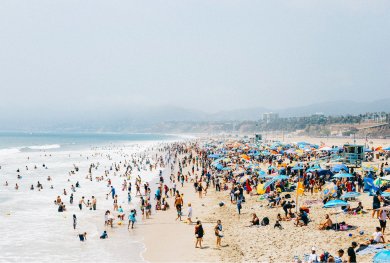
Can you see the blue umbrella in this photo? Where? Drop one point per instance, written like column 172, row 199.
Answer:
column 265, row 186
column 282, row 177
column 335, row 203
column 342, row 175
column 213, row 155
column 382, row 257
column 387, row 169
column 350, row 195
column 339, row 167
column 387, row 149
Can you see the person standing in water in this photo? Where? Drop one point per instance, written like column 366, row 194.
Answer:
column 74, row 221
column 93, row 203
column 81, row 203
column 131, row 219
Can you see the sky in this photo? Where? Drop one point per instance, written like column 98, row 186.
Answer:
column 59, row 57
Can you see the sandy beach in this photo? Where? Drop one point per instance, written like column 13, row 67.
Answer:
column 170, row 241
column 162, row 238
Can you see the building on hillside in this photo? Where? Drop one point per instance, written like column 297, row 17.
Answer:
column 269, row 117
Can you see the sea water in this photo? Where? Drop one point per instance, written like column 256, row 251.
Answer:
column 32, row 230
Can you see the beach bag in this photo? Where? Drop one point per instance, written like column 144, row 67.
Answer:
column 265, row 221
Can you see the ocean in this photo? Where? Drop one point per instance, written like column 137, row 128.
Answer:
column 32, row 229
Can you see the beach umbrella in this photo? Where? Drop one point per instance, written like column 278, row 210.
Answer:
column 342, row 175
column 339, row 167
column 282, row 177
column 295, row 168
column 265, row 186
column 350, row 195
column 385, row 194
column 382, row 257
column 213, row 155
column 387, row 149
column 326, row 148
column 335, row 204
column 329, row 190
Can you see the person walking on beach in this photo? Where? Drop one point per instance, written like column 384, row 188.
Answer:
column 178, row 205
column 189, row 214
column 239, row 206
column 131, row 219
column 199, row 233
column 112, row 192
column 74, row 221
column 218, row 233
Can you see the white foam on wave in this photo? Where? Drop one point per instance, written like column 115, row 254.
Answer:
column 44, row 147
column 7, row 151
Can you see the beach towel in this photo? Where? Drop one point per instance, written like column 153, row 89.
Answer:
column 370, row 249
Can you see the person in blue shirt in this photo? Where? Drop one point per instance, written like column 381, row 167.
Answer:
column 112, row 192
column 104, row 235
column 132, row 219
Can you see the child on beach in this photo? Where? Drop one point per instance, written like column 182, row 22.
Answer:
column 132, row 218
column 83, row 237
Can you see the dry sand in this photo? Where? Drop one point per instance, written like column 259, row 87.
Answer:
column 168, row 240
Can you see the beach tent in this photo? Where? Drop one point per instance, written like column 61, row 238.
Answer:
column 382, row 257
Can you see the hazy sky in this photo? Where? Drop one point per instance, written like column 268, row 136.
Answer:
column 208, row 55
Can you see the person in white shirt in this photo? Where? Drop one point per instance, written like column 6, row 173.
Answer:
column 339, row 258
column 377, row 237
column 313, row 258
column 189, row 214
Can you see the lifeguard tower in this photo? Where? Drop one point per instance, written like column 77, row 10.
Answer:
column 258, row 137
column 353, row 155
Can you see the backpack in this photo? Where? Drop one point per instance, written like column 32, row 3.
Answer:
column 265, row 221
